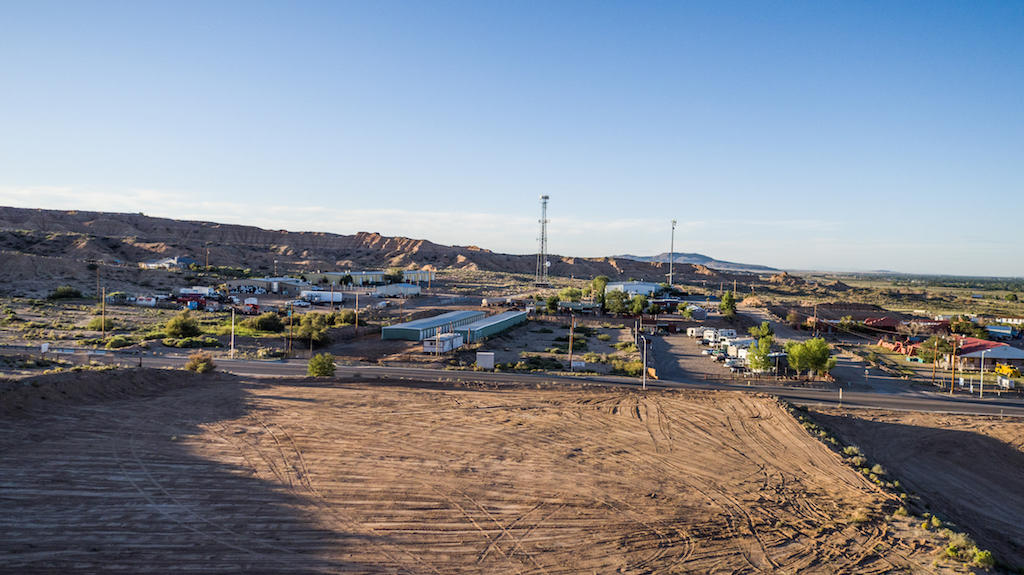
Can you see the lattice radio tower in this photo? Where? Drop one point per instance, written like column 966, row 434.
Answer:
column 542, row 257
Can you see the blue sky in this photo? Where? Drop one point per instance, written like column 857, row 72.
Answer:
column 846, row 135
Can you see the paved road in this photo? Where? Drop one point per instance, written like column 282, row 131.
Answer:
column 908, row 400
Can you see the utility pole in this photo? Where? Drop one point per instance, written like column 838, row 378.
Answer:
column 357, row 313
column 952, row 364
column 291, row 312
column 97, row 278
column 644, row 376
column 572, row 328
column 935, row 357
column 103, row 312
column 983, row 373
column 671, row 253
column 232, row 333
column 332, row 297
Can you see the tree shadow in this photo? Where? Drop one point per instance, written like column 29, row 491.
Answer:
column 107, row 472
column 962, row 476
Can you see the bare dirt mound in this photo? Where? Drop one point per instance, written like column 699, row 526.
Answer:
column 784, row 278
column 42, row 393
column 303, row 476
column 968, row 469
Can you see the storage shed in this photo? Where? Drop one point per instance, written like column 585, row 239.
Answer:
column 492, row 325
column 420, row 329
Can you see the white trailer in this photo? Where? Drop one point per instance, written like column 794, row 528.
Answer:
column 710, row 335
column 321, row 296
column 694, row 331
column 197, row 290
column 145, row 301
column 726, row 332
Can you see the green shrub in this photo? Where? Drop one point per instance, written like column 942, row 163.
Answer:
column 99, row 324
column 626, row 346
column 268, row 321
column 191, row 342
column 118, row 341
column 632, row 368
column 65, row 292
column 182, row 325
column 269, row 352
column 851, row 450
column 321, row 365
column 200, row 362
column 984, row 559
column 604, row 337
column 878, row 470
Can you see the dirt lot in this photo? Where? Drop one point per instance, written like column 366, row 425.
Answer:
column 967, row 469
column 156, row 471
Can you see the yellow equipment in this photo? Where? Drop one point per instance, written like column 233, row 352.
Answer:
column 1007, row 370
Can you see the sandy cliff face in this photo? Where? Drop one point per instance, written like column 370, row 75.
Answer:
column 126, row 239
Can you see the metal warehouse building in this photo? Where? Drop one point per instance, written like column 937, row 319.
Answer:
column 419, row 329
column 493, row 325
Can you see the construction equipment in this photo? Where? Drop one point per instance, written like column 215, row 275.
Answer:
column 1008, row 370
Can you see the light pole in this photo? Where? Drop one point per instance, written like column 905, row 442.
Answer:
column 983, row 372
column 644, row 385
column 232, row 333
column 671, row 253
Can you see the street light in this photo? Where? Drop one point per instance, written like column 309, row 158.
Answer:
column 983, row 373
column 645, row 362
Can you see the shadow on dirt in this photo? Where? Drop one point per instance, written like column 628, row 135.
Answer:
column 969, row 478
column 105, row 471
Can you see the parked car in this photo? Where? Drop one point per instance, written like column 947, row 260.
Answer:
column 298, row 303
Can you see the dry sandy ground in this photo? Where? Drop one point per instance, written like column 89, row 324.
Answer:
column 968, row 469
column 155, row 472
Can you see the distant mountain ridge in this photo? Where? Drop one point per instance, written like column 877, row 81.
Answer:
column 700, row 260
column 40, row 247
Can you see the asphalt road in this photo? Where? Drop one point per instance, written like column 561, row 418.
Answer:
column 909, row 400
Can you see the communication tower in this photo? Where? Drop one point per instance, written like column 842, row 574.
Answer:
column 542, row 256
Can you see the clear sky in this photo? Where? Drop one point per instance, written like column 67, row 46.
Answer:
column 825, row 135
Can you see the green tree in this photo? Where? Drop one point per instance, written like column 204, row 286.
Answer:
column 182, row 325
column 394, row 276
column 846, row 323
column 1011, row 297
column 763, row 330
column 757, row 355
column 728, row 305
column 811, row 355
column 321, row 365
column 268, row 321
column 314, row 327
column 685, row 311
column 597, row 286
column 934, row 348
column 793, row 319
column 552, row 304
column 616, row 301
column 965, row 326
column 570, row 294
column 638, row 304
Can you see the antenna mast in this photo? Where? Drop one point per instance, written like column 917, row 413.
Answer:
column 542, row 256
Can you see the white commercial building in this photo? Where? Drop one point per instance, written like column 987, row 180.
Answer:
column 633, row 288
